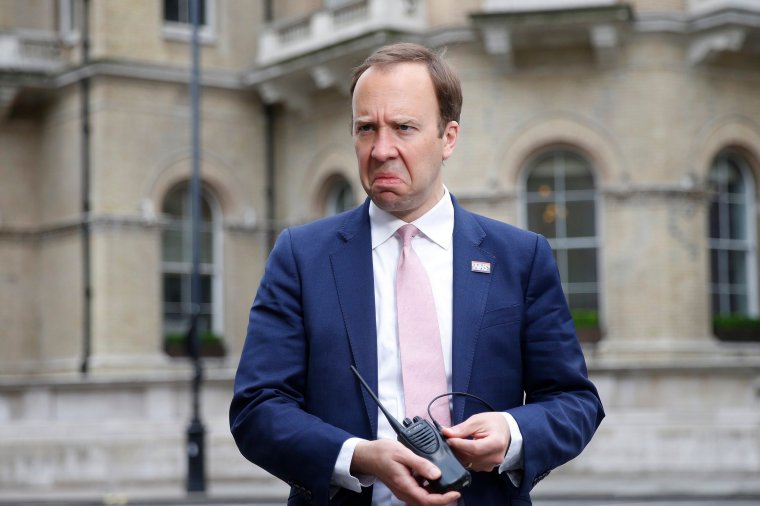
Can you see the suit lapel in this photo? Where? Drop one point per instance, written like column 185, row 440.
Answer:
column 352, row 269
column 469, row 300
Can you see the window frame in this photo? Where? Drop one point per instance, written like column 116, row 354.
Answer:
column 748, row 245
column 331, row 191
column 183, row 32
column 214, row 269
column 69, row 27
column 562, row 245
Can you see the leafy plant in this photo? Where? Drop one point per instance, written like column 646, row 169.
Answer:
column 585, row 318
column 735, row 327
column 203, row 337
column 211, row 345
column 734, row 321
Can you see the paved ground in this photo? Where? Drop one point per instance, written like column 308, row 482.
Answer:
column 670, row 502
column 244, row 502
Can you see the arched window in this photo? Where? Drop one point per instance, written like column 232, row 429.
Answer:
column 732, row 237
column 560, row 202
column 177, row 266
column 339, row 196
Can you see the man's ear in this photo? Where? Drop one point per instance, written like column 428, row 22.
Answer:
column 450, row 134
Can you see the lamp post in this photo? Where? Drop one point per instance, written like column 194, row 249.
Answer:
column 196, row 474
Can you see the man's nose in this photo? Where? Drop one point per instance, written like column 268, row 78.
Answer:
column 384, row 147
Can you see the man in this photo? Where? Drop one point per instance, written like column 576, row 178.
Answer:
column 328, row 300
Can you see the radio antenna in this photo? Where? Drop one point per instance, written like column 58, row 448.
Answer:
column 394, row 423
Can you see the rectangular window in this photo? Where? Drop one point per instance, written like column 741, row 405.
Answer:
column 178, row 20
column 330, row 4
column 178, row 11
column 70, row 18
column 535, row 5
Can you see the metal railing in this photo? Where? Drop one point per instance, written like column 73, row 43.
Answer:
column 294, row 37
column 30, row 51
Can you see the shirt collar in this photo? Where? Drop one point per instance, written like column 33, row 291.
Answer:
column 436, row 224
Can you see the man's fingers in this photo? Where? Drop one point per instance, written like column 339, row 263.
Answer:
column 481, row 441
column 400, row 469
column 421, row 467
column 419, row 495
column 461, row 430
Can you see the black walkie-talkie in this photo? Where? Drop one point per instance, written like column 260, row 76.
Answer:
column 424, row 440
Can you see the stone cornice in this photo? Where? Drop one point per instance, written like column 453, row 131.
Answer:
column 213, row 78
column 660, row 191
column 99, row 224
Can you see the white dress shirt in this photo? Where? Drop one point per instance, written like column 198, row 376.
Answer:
column 434, row 247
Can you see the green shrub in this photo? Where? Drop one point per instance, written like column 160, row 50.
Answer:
column 585, row 318
column 204, row 337
column 731, row 322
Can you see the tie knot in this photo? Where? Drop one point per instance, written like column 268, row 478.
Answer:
column 406, row 233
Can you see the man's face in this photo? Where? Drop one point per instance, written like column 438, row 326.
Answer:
column 396, row 137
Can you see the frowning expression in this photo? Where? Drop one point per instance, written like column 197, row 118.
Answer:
column 397, row 138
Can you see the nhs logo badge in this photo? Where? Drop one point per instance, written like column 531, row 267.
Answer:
column 482, row 267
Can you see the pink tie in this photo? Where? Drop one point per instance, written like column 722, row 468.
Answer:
column 418, row 335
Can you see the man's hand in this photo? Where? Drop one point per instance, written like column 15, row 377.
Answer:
column 400, row 470
column 489, row 443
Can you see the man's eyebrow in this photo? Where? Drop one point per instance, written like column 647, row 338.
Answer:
column 400, row 120
column 362, row 120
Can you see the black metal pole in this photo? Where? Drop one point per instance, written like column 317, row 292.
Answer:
column 84, row 86
column 196, row 474
column 270, row 117
column 269, row 147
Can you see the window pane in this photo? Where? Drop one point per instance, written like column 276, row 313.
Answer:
column 715, row 261
column 715, row 227
column 204, row 324
column 174, row 203
column 172, row 245
column 175, row 323
column 738, row 303
column 542, row 219
column 577, row 173
column 340, row 197
column 205, row 209
column 344, row 200
column 583, row 301
column 733, row 181
column 581, row 265
column 178, row 11
column 207, row 246
column 737, row 267
column 205, row 289
column 171, row 10
column 737, row 221
column 581, row 219
column 172, row 288
column 541, row 179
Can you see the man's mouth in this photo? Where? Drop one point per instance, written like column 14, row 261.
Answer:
column 387, row 178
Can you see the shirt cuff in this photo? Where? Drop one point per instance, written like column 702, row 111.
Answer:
column 342, row 476
column 513, row 460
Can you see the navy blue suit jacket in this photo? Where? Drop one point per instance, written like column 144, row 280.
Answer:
column 514, row 344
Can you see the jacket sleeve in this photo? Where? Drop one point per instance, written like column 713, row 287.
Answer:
column 267, row 415
column 562, row 407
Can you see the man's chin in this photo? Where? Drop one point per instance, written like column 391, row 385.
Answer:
column 388, row 201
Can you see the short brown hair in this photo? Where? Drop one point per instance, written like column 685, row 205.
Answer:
column 448, row 90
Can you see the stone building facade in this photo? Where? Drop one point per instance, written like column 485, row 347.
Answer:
column 627, row 132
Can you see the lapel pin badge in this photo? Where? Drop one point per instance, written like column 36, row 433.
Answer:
column 483, row 267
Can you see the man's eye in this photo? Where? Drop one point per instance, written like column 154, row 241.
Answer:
column 404, row 128
column 364, row 128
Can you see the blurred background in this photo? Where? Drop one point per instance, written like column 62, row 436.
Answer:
column 626, row 132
